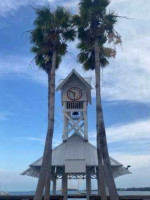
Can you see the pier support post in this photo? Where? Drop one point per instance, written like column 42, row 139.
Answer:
column 98, row 186
column 64, row 186
column 88, row 185
column 54, row 186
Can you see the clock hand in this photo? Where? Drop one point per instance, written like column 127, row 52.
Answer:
column 73, row 93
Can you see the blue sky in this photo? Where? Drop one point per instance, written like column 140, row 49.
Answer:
column 23, row 93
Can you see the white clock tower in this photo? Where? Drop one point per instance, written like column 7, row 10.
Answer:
column 75, row 157
column 75, row 95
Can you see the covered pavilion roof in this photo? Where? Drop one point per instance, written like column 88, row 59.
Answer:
column 72, row 153
column 75, row 148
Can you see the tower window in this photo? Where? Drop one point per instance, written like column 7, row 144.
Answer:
column 75, row 105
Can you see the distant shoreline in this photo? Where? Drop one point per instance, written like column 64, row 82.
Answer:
column 138, row 189
column 134, row 189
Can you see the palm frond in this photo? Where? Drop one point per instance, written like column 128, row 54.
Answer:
column 96, row 24
column 69, row 35
column 51, row 33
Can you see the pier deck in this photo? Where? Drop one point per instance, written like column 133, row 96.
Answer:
column 80, row 196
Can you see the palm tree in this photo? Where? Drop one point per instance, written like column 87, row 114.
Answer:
column 49, row 38
column 87, row 58
column 96, row 32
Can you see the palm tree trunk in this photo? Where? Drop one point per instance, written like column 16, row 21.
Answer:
column 47, row 156
column 48, row 182
column 48, row 175
column 99, row 151
column 101, row 133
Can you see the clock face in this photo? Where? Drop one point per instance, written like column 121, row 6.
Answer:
column 74, row 93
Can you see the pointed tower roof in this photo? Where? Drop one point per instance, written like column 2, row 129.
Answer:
column 73, row 73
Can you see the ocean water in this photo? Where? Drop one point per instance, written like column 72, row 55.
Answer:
column 124, row 193
column 144, row 193
column 121, row 193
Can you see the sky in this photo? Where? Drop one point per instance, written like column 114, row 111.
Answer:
column 23, row 93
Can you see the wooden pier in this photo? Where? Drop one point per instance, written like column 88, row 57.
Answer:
column 80, row 196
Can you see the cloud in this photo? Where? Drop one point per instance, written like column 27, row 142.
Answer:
column 5, row 115
column 8, row 7
column 139, row 130
column 130, row 132
column 127, row 76
column 132, row 137
column 124, row 8
column 34, row 139
column 13, row 181
column 130, row 144
column 138, row 161
column 56, row 141
column 140, row 165
column 23, row 66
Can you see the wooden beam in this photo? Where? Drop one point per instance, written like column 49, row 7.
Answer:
column 75, row 129
column 88, row 185
column 65, row 129
column 64, row 186
column 98, row 185
column 85, row 125
column 54, row 186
